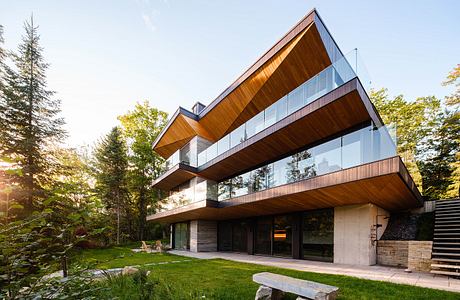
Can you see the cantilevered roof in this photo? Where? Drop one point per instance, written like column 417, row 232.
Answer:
column 303, row 52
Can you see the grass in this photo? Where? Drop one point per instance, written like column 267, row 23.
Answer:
column 223, row 279
column 118, row 257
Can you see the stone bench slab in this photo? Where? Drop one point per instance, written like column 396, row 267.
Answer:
column 300, row 287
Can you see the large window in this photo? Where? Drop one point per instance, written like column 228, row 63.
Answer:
column 318, row 235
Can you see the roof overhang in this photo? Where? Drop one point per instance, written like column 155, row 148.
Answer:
column 385, row 183
column 302, row 53
column 346, row 107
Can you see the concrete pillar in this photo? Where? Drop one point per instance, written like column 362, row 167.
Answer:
column 356, row 232
column 203, row 236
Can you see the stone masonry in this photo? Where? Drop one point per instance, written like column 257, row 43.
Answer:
column 415, row 255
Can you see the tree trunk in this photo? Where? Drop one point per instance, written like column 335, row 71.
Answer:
column 118, row 218
column 142, row 213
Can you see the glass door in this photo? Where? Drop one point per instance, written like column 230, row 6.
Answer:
column 225, row 236
column 282, row 235
column 240, row 236
column 180, row 236
column 318, row 235
column 263, row 243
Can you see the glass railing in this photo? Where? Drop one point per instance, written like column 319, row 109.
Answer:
column 204, row 190
column 337, row 74
column 359, row 147
column 180, row 156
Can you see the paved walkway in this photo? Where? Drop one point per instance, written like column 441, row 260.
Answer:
column 390, row 274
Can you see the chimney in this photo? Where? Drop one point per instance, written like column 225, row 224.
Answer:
column 197, row 108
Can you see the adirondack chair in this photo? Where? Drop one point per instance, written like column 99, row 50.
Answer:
column 145, row 247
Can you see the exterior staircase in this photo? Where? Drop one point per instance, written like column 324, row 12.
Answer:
column 446, row 239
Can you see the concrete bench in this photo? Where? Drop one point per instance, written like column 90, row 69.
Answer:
column 274, row 285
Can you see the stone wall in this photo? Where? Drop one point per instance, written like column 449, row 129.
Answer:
column 415, row 255
column 419, row 258
column 203, row 236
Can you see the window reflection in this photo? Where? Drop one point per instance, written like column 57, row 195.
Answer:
column 353, row 149
column 237, row 136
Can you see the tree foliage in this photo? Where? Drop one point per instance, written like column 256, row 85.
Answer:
column 428, row 138
column 140, row 128
column 30, row 117
column 111, row 169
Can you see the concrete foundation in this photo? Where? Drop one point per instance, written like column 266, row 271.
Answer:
column 203, row 236
column 356, row 230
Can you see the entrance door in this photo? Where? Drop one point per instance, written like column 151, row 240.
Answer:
column 263, row 241
column 180, row 236
column 240, row 236
column 225, row 236
column 318, row 235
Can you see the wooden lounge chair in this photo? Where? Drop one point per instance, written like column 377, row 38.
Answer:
column 145, row 247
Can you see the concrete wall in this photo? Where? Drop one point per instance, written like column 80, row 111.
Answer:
column 203, row 236
column 355, row 233
column 415, row 255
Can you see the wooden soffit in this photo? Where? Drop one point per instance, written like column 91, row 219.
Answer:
column 297, row 57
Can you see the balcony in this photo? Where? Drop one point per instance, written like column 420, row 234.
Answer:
column 356, row 148
column 331, row 101
column 199, row 190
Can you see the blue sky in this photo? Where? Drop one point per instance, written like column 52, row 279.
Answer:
column 107, row 55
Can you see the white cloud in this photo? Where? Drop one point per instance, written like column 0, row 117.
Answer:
column 148, row 22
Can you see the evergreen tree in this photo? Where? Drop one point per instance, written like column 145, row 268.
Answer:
column 141, row 127
column 30, row 118
column 111, row 176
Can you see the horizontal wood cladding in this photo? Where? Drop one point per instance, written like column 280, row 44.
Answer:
column 341, row 109
column 178, row 174
column 385, row 183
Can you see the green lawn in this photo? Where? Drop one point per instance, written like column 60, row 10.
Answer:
column 222, row 279
column 118, row 257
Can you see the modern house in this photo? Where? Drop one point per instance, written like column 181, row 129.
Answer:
column 291, row 160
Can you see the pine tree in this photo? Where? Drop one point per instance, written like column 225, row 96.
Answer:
column 32, row 116
column 111, row 175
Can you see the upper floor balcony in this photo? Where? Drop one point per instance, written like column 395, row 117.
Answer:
column 200, row 156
